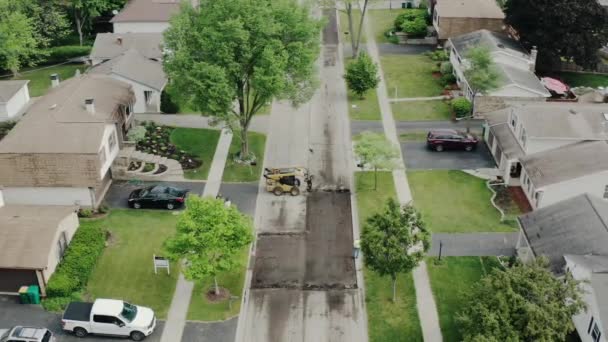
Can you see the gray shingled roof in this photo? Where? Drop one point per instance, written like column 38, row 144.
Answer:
column 27, row 234
column 147, row 11
column 8, row 89
column 134, row 66
column 565, row 163
column 574, row 226
column 469, row 9
column 506, row 141
column 108, row 45
column 521, row 78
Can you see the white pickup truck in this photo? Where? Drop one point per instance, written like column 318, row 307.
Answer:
column 109, row 317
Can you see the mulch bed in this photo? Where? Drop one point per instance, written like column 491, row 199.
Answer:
column 158, row 142
column 518, row 195
column 215, row 298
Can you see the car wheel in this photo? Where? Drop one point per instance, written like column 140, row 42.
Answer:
column 137, row 205
column 439, row 148
column 80, row 332
column 277, row 191
column 137, row 336
column 170, row 206
column 468, row 148
column 294, row 191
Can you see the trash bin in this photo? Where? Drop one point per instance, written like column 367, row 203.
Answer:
column 34, row 294
column 24, row 297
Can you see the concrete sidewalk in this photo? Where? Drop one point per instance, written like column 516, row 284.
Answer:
column 176, row 318
column 259, row 123
column 425, row 302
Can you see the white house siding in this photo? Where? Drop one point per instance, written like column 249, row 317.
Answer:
column 69, row 225
column 594, row 184
column 141, row 27
column 1, row 199
column 15, row 104
column 48, row 196
column 110, row 152
column 140, row 101
column 582, row 320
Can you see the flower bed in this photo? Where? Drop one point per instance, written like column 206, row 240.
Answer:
column 158, row 141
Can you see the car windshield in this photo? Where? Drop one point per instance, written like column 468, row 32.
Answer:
column 173, row 191
column 129, row 311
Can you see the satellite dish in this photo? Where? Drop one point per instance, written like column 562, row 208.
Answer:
column 115, row 12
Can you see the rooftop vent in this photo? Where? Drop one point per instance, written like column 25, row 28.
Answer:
column 572, row 111
column 90, row 105
column 605, row 116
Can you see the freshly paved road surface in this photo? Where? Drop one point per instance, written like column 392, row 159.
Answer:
column 418, row 157
column 474, row 244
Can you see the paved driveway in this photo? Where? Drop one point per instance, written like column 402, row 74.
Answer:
column 418, row 156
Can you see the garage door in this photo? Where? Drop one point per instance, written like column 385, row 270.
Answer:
column 11, row 280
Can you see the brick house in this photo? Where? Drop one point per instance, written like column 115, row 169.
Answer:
column 61, row 151
column 453, row 18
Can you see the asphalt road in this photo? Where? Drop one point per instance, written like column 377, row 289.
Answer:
column 418, row 156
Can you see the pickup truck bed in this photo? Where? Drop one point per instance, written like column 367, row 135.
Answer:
column 78, row 311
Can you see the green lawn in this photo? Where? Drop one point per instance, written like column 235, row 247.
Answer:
column 40, row 80
column 234, row 172
column 200, row 143
column 451, row 279
column 388, row 321
column 413, row 136
column 345, row 34
column 454, row 202
column 203, row 310
column 410, row 75
column 421, row 111
column 575, row 79
column 370, row 201
column 125, row 270
column 383, row 20
column 366, row 109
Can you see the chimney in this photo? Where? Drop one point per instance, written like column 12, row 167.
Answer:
column 119, row 40
column 54, row 80
column 90, row 105
column 533, row 56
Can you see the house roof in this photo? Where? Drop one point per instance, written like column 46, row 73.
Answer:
column 59, row 122
column 563, row 120
column 566, row 163
column 110, row 45
column 498, row 43
column 27, row 234
column 8, row 89
column 578, row 225
column 469, row 9
column 506, row 141
column 147, row 10
column 134, row 66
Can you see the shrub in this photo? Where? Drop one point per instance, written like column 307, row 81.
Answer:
column 415, row 28
column 461, row 107
column 446, row 68
column 447, row 79
column 137, row 134
column 104, row 208
column 60, row 54
column 438, row 55
column 58, row 304
column 167, row 104
column 61, row 285
column 5, row 127
column 85, row 213
column 407, row 16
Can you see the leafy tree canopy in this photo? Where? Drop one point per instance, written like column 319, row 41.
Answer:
column 481, row 74
column 362, row 75
column 521, row 303
column 375, row 150
column 560, row 28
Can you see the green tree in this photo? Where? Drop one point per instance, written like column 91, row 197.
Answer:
column 394, row 241
column 347, row 7
column 521, row 303
column 574, row 30
column 231, row 57
column 48, row 17
column 362, row 75
column 374, row 150
column 20, row 45
column 481, row 74
column 84, row 11
column 209, row 238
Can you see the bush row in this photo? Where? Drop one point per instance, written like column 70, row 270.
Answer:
column 72, row 274
column 60, row 54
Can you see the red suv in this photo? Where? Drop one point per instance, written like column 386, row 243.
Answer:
column 449, row 139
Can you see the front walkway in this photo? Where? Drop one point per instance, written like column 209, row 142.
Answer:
column 176, row 319
column 425, row 302
column 473, row 244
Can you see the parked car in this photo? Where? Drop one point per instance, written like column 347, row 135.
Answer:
column 26, row 334
column 449, row 139
column 109, row 317
column 157, row 196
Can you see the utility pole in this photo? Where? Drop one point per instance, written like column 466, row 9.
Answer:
column 440, row 248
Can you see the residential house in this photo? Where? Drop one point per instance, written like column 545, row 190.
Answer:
column 526, row 129
column 14, row 97
column 454, row 18
column 145, row 16
column 573, row 236
column 33, row 240
column 136, row 59
column 517, row 81
column 61, row 151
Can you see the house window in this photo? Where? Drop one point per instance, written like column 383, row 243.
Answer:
column 606, row 192
column 62, row 245
column 523, row 137
column 596, row 334
column 112, row 141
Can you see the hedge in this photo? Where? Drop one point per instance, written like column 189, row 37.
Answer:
column 60, row 54
column 72, row 274
column 461, row 107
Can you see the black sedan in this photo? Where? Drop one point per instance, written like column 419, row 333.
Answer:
column 157, row 196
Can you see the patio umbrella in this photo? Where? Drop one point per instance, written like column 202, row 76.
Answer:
column 554, row 85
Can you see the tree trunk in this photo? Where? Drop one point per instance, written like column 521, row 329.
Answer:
column 79, row 28
column 356, row 48
column 394, row 287
column 15, row 72
column 375, row 178
column 217, row 288
column 244, row 143
column 349, row 13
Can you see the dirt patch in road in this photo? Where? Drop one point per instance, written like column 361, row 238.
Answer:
column 316, row 259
